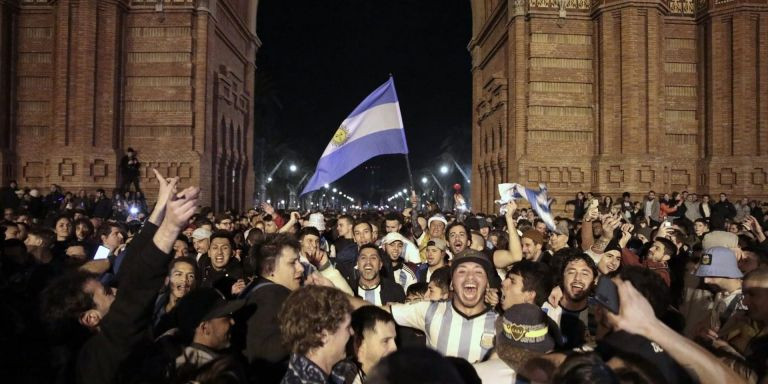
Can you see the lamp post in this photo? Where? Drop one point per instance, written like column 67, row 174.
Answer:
column 445, row 170
column 293, row 190
column 446, row 196
column 267, row 178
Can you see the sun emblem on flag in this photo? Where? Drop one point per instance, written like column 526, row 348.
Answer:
column 340, row 137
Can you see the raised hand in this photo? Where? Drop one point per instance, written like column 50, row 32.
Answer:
column 592, row 214
column 625, row 236
column 555, row 296
column 166, row 191
column 167, row 188
column 755, row 228
column 317, row 279
column 238, row 287
column 511, row 208
column 635, row 312
column 181, row 207
column 317, row 257
column 268, row 209
column 610, row 224
column 664, row 231
column 491, row 296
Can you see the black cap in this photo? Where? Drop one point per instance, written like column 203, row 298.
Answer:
column 203, row 304
column 471, row 255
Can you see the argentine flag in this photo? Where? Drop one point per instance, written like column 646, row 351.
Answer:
column 539, row 200
column 374, row 128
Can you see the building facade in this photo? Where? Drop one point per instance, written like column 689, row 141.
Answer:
column 618, row 95
column 83, row 80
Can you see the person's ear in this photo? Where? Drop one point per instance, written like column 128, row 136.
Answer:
column 205, row 327
column 325, row 336
column 90, row 318
column 530, row 296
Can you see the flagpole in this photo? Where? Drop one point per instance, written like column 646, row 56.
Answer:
column 410, row 174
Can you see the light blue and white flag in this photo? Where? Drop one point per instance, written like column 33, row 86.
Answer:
column 374, row 128
column 539, row 200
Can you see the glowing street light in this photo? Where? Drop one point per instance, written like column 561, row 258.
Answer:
column 269, row 179
column 326, row 186
column 293, row 167
column 335, row 190
column 424, row 180
column 444, row 169
column 405, row 190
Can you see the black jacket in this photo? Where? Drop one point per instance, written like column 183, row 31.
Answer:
column 103, row 208
column 578, row 208
column 264, row 349
column 721, row 211
column 8, row 198
column 124, row 327
column 222, row 279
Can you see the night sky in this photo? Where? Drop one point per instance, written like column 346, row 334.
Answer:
column 319, row 59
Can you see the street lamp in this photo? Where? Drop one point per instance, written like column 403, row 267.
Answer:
column 424, row 180
column 293, row 167
column 269, row 179
column 444, row 169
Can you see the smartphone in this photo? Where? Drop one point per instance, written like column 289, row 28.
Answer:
column 607, row 294
column 101, row 253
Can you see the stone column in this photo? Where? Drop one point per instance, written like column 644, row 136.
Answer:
column 7, row 137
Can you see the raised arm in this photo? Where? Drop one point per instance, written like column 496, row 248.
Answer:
column 167, row 188
column 415, row 227
column 636, row 317
column 504, row 258
column 587, row 236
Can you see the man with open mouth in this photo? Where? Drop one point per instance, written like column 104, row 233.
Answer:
column 463, row 326
column 371, row 285
column 578, row 279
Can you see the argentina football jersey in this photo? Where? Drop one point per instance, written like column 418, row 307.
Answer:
column 448, row 331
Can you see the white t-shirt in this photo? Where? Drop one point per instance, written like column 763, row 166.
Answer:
column 495, row 371
column 448, row 331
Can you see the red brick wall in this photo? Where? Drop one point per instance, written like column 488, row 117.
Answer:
column 620, row 96
column 94, row 77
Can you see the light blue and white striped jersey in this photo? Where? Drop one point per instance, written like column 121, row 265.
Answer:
column 448, row 331
column 372, row 295
column 405, row 276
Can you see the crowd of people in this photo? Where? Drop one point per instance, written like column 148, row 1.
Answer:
column 652, row 290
